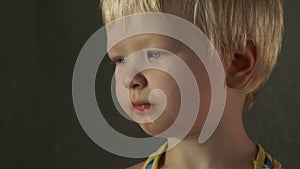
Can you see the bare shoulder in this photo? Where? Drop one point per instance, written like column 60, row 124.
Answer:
column 137, row 166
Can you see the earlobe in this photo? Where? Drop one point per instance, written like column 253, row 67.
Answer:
column 242, row 66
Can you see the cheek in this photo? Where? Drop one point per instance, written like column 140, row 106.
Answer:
column 167, row 84
column 204, row 87
column 122, row 95
column 172, row 91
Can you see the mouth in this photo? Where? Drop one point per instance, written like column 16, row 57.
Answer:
column 141, row 107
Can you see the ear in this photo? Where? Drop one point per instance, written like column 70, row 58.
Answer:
column 242, row 66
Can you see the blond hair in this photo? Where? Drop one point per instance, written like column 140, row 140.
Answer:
column 227, row 23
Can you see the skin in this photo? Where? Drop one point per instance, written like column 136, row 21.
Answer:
column 229, row 146
column 146, row 81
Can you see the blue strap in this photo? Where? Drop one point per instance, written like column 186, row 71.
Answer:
column 267, row 164
column 149, row 166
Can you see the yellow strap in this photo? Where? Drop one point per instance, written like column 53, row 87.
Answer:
column 258, row 162
column 260, row 159
column 156, row 156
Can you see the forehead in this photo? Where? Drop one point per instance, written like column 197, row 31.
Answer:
column 137, row 40
column 145, row 41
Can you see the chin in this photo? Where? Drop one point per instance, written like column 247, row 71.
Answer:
column 151, row 129
column 155, row 129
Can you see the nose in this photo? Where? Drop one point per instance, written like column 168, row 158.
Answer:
column 133, row 71
column 138, row 82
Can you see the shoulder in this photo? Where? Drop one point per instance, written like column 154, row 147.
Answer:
column 137, row 166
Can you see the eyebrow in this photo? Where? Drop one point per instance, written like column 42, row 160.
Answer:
column 147, row 38
column 141, row 37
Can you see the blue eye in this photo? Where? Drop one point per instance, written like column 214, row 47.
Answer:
column 155, row 54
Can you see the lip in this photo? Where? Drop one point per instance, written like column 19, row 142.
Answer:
column 141, row 107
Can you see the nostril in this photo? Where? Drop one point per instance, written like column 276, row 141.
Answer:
column 138, row 82
column 135, row 86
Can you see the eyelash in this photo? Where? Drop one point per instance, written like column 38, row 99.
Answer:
column 150, row 54
column 119, row 60
column 155, row 52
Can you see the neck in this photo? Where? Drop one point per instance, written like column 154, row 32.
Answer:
column 228, row 147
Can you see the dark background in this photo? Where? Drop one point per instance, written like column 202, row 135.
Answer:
column 40, row 41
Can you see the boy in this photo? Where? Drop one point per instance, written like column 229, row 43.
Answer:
column 247, row 35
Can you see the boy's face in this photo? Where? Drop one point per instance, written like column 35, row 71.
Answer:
column 155, row 112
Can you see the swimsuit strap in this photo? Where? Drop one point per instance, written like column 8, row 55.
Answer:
column 265, row 160
column 152, row 161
